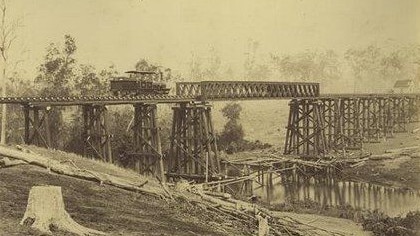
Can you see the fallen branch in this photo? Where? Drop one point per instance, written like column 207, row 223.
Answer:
column 74, row 171
column 361, row 163
column 403, row 150
column 243, row 210
column 6, row 162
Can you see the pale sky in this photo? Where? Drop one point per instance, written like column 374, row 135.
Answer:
column 168, row 32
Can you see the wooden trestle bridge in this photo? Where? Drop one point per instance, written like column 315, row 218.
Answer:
column 317, row 123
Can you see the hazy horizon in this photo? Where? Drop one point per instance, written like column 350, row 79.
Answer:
column 170, row 32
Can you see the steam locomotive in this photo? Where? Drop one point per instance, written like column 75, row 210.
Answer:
column 138, row 83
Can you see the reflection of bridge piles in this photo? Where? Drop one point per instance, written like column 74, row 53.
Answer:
column 319, row 125
column 266, row 168
column 318, row 184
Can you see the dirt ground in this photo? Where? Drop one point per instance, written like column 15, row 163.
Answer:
column 121, row 212
column 99, row 207
column 105, row 208
column 403, row 171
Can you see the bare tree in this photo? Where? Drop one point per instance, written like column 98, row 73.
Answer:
column 7, row 38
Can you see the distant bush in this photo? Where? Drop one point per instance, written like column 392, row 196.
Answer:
column 381, row 224
column 231, row 140
column 245, row 145
column 375, row 221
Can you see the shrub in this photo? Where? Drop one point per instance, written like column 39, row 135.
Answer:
column 231, row 140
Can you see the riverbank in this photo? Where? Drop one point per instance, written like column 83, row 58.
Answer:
column 401, row 171
column 121, row 212
column 384, row 176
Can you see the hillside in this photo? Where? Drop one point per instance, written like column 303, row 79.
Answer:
column 102, row 207
column 121, row 212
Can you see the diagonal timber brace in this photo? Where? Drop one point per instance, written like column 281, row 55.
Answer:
column 96, row 137
column 147, row 144
column 37, row 125
column 305, row 134
column 346, row 122
column 193, row 149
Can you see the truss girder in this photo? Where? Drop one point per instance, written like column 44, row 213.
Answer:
column 221, row 90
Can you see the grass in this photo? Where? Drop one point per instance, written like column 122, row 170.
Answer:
column 105, row 208
column 375, row 221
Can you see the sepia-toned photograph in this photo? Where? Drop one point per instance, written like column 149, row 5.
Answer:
column 210, row 117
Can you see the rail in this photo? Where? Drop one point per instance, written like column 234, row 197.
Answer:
column 108, row 100
column 206, row 91
column 367, row 95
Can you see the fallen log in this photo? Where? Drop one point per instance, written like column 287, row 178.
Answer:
column 74, row 171
column 6, row 162
column 403, row 150
column 415, row 155
column 217, row 194
column 357, row 164
column 384, row 156
column 245, row 210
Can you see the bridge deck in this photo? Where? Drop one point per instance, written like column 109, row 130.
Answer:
column 366, row 95
column 116, row 100
column 104, row 100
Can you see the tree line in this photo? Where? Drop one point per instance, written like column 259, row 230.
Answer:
column 362, row 70
column 60, row 74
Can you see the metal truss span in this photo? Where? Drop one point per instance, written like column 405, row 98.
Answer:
column 246, row 90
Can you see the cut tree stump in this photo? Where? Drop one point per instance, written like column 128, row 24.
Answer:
column 45, row 211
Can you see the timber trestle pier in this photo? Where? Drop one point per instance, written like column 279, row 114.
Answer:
column 317, row 124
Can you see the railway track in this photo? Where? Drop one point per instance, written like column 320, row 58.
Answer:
column 81, row 100
column 165, row 98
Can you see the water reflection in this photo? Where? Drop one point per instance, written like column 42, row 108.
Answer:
column 331, row 191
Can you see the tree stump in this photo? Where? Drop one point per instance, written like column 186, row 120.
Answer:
column 45, row 211
column 263, row 228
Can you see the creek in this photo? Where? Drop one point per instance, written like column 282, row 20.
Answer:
column 335, row 192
